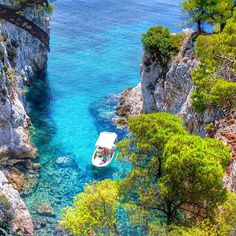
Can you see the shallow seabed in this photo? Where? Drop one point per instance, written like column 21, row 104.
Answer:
column 95, row 53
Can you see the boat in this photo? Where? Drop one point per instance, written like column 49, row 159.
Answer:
column 104, row 149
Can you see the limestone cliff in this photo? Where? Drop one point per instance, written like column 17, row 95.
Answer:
column 20, row 56
column 20, row 221
column 168, row 88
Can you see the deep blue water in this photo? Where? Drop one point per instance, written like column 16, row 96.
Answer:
column 95, row 53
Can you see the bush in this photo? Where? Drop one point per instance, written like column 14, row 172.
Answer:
column 214, row 78
column 159, row 39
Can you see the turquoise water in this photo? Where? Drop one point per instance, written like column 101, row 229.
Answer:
column 95, row 54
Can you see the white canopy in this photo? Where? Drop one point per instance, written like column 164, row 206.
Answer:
column 106, row 140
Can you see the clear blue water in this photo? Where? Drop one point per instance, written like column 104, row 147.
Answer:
column 95, row 53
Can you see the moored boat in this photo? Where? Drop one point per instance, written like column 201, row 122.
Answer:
column 104, row 149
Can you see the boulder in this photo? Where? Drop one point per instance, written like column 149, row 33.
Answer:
column 65, row 161
column 21, row 221
column 46, row 209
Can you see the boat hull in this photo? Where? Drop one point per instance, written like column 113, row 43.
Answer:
column 98, row 162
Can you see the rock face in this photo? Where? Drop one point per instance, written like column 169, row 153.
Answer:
column 21, row 220
column 131, row 104
column 167, row 87
column 20, row 56
column 226, row 131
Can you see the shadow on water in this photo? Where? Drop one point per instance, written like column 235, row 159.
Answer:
column 39, row 99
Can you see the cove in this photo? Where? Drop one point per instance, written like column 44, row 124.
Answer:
column 95, row 54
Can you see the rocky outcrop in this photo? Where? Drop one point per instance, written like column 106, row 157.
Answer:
column 20, row 220
column 225, row 130
column 167, row 87
column 20, row 56
column 130, row 104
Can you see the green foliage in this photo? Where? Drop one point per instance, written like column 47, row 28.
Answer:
column 175, row 185
column 159, row 39
column 214, row 77
column 210, row 11
column 94, row 210
column 49, row 9
column 172, row 170
column 194, row 169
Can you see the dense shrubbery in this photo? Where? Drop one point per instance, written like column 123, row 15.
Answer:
column 174, row 174
column 213, row 12
column 159, row 39
column 214, row 77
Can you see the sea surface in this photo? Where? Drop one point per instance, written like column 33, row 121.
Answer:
column 95, row 54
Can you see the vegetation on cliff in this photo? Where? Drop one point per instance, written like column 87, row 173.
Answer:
column 208, row 11
column 215, row 77
column 158, row 39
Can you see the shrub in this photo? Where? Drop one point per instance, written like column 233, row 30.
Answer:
column 159, row 39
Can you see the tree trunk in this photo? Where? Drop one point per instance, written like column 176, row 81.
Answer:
column 169, row 213
column 222, row 26
column 199, row 26
column 159, row 167
column 116, row 230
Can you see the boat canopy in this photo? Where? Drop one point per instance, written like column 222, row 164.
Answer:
column 106, row 140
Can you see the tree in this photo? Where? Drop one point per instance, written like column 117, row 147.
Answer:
column 210, row 11
column 221, row 12
column 175, row 183
column 159, row 40
column 214, row 78
column 172, row 171
column 94, row 210
column 149, row 134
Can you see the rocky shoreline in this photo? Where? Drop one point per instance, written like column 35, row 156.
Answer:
column 168, row 88
column 21, row 56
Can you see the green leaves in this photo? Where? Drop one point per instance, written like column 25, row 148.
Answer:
column 94, row 210
column 210, row 11
column 214, row 77
column 172, row 170
column 158, row 39
column 194, row 169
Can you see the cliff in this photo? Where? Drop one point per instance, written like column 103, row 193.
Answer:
column 20, row 219
column 168, row 88
column 21, row 56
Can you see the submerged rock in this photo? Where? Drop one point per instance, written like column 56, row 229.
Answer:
column 65, row 161
column 46, row 209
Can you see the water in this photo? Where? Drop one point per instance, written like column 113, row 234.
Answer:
column 95, row 53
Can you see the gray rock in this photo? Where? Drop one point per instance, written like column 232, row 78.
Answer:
column 65, row 161
column 46, row 209
column 15, row 145
column 21, row 218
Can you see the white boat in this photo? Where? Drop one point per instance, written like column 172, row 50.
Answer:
column 104, row 149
